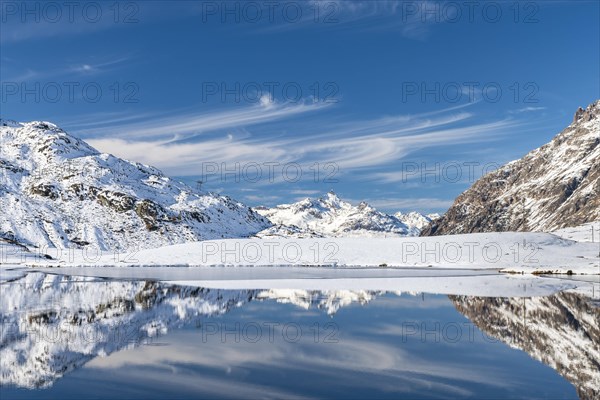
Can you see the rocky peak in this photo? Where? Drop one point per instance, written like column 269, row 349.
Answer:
column 331, row 199
column 587, row 114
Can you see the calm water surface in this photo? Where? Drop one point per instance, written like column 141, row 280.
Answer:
column 72, row 337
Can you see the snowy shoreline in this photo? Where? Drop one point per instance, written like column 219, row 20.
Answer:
column 509, row 252
column 487, row 283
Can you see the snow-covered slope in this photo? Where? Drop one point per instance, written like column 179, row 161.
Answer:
column 57, row 191
column 561, row 331
column 329, row 216
column 507, row 251
column 589, row 232
column 416, row 220
column 13, row 254
column 552, row 187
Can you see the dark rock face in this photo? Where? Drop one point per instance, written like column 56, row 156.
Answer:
column 44, row 190
column 562, row 331
column 119, row 202
column 552, row 187
column 151, row 213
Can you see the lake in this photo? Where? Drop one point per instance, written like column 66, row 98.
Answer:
column 79, row 337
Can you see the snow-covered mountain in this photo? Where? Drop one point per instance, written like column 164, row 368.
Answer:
column 561, row 331
column 552, row 187
column 60, row 192
column 329, row 216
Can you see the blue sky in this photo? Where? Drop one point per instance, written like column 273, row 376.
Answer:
column 399, row 103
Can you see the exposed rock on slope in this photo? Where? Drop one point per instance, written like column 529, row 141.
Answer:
column 552, row 187
column 57, row 191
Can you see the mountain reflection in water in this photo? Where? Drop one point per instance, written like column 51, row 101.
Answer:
column 562, row 331
column 52, row 325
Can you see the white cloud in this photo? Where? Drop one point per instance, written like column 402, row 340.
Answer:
column 92, row 68
column 410, row 19
column 193, row 123
column 349, row 146
column 412, row 204
column 13, row 72
column 305, row 192
column 262, row 199
column 353, row 362
column 526, row 109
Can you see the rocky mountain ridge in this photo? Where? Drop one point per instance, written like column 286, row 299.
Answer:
column 552, row 187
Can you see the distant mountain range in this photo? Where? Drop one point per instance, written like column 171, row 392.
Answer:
column 552, row 187
column 329, row 216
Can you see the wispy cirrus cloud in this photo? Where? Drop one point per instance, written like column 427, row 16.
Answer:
column 261, row 198
column 411, row 19
column 177, row 126
column 97, row 67
column 423, row 203
column 11, row 72
column 526, row 109
column 304, row 192
column 180, row 144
